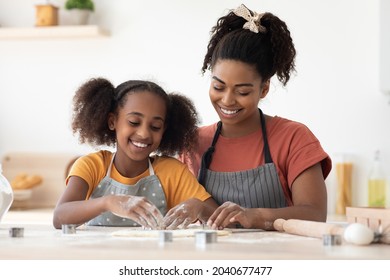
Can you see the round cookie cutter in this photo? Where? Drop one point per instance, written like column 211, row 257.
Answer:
column 331, row 239
column 16, row 232
column 165, row 236
column 69, row 229
column 205, row 237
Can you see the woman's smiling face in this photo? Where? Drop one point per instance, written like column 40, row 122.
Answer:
column 235, row 91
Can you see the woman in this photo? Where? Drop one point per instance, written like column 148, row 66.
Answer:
column 257, row 167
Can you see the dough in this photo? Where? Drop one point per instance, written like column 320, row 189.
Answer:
column 190, row 232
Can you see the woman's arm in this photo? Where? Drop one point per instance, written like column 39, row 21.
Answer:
column 309, row 198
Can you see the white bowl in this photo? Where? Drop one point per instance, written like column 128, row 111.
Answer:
column 22, row 195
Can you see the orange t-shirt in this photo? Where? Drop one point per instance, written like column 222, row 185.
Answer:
column 293, row 148
column 176, row 180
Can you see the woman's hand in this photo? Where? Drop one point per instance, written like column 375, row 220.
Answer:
column 183, row 214
column 137, row 208
column 229, row 214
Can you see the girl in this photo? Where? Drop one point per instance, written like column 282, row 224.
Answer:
column 128, row 187
column 257, row 167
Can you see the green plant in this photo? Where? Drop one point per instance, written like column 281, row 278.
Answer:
column 79, row 4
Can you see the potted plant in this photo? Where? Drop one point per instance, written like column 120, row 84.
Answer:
column 80, row 4
column 80, row 10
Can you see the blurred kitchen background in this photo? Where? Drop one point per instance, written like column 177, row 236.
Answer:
column 336, row 91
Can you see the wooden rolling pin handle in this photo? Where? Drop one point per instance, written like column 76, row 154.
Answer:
column 307, row 228
column 278, row 224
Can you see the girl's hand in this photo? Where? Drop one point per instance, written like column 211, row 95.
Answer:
column 231, row 213
column 183, row 214
column 137, row 208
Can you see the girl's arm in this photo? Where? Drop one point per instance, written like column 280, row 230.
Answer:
column 189, row 212
column 208, row 208
column 73, row 208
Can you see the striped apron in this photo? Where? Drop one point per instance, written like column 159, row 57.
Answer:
column 149, row 187
column 255, row 188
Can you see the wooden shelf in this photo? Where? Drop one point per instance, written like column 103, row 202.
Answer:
column 47, row 32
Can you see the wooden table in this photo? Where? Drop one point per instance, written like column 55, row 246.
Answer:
column 41, row 241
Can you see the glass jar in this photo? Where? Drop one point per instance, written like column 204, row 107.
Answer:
column 6, row 194
column 344, row 168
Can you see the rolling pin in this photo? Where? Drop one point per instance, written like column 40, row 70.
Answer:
column 307, row 228
column 355, row 233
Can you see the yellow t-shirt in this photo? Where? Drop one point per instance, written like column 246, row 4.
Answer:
column 178, row 183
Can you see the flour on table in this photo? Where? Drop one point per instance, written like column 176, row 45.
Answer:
column 190, row 232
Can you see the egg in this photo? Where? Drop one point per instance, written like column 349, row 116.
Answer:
column 358, row 234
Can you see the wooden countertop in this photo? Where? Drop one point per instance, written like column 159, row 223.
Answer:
column 41, row 241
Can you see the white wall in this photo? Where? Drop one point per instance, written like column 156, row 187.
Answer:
column 335, row 92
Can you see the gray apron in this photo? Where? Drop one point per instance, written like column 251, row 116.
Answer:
column 255, row 188
column 148, row 187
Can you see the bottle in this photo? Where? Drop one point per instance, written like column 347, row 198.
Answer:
column 6, row 194
column 377, row 184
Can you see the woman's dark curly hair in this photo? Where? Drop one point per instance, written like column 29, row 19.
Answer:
column 97, row 98
column 270, row 52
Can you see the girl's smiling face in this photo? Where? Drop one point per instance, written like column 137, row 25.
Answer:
column 235, row 91
column 139, row 125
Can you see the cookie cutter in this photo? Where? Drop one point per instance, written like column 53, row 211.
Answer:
column 205, row 237
column 165, row 236
column 16, row 232
column 69, row 229
column 331, row 239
